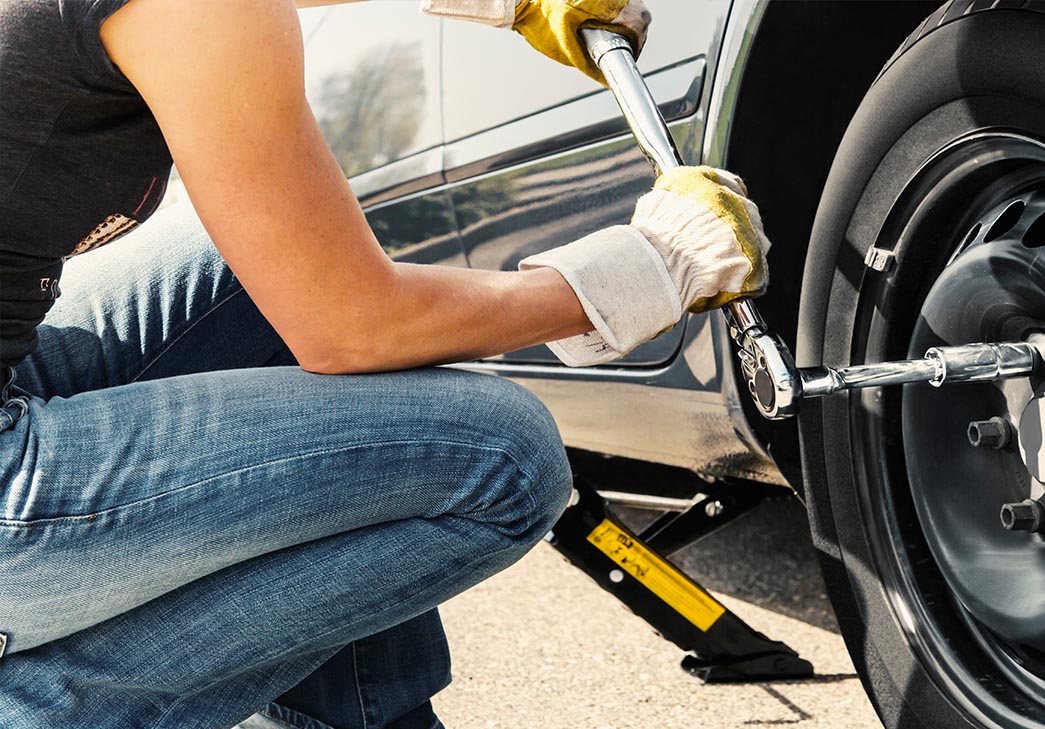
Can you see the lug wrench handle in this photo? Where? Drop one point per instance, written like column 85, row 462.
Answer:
column 773, row 379
column 612, row 54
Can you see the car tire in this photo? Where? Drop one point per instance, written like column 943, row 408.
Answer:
column 950, row 137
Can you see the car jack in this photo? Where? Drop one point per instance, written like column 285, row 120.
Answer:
column 724, row 649
column 776, row 384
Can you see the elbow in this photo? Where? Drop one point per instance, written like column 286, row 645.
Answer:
column 324, row 366
column 357, row 343
column 334, row 363
column 372, row 356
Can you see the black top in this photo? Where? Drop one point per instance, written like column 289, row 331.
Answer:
column 82, row 160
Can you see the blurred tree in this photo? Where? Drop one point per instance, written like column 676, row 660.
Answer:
column 371, row 114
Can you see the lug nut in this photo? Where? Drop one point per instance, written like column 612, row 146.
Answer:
column 994, row 433
column 1026, row 516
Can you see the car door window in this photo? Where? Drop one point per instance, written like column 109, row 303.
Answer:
column 373, row 81
column 372, row 78
column 493, row 77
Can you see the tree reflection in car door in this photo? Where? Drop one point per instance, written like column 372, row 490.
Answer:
column 374, row 84
column 370, row 113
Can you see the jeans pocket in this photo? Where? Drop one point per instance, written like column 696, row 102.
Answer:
column 275, row 716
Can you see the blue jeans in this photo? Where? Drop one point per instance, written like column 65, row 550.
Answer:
column 192, row 527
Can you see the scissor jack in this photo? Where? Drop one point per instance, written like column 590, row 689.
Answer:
column 722, row 647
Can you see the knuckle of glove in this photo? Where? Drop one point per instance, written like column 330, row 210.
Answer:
column 552, row 27
column 633, row 23
column 709, row 234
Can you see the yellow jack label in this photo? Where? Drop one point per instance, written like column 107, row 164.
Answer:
column 659, row 576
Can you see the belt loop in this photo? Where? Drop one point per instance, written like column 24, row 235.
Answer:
column 7, row 378
column 9, row 401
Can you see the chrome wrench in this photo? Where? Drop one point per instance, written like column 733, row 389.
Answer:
column 776, row 384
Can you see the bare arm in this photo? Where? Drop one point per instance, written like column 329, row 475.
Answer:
column 317, row 3
column 226, row 84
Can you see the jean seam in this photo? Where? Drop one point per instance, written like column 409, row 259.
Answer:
column 359, row 690
column 192, row 325
column 19, row 524
column 311, row 720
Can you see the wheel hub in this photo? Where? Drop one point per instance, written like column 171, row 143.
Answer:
column 1031, row 440
column 993, row 289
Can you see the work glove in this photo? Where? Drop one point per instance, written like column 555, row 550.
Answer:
column 695, row 243
column 551, row 26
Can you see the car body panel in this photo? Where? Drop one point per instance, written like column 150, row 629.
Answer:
column 566, row 192
column 512, row 172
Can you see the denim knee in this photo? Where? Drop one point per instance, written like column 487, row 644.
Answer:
column 523, row 422
column 552, row 484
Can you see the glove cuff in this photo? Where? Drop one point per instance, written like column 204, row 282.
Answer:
column 624, row 288
column 498, row 13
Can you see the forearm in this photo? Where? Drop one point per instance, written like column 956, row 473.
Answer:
column 440, row 314
column 317, row 3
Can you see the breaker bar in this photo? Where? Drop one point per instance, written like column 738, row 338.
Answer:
column 776, row 384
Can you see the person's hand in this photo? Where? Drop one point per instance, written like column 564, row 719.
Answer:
column 552, row 26
column 695, row 243
column 709, row 234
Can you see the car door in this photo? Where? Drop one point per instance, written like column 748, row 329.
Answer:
column 536, row 153
column 373, row 81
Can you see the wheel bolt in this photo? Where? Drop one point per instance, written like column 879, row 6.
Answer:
column 994, row 433
column 1026, row 516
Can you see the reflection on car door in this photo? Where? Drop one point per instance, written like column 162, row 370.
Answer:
column 536, row 154
column 372, row 77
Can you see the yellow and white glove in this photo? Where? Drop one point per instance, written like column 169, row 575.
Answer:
column 695, row 243
column 551, row 26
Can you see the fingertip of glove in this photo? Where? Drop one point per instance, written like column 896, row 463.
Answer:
column 720, row 300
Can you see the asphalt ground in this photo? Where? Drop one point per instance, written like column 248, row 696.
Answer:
column 541, row 645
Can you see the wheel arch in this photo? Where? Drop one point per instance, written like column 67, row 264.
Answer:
column 808, row 68
column 817, row 282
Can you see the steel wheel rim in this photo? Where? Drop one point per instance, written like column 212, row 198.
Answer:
column 979, row 671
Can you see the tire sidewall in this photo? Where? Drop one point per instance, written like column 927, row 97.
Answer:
column 980, row 72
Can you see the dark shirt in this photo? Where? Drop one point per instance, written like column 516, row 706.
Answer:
column 82, row 160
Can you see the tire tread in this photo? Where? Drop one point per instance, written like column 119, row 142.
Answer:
column 953, row 10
